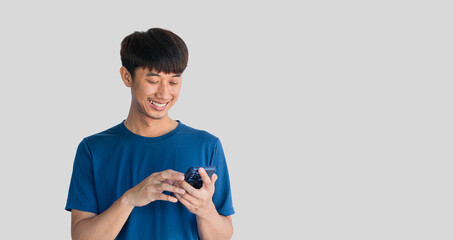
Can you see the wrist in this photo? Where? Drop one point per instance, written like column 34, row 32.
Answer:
column 126, row 199
column 209, row 213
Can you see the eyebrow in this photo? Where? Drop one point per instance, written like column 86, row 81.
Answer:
column 155, row 74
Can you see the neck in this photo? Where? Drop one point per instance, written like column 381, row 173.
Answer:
column 149, row 127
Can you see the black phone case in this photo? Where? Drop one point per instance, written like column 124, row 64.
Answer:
column 192, row 176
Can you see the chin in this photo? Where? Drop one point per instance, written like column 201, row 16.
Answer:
column 157, row 116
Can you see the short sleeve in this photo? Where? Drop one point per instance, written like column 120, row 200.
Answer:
column 222, row 197
column 81, row 194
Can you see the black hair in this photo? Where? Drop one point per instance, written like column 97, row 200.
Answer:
column 156, row 49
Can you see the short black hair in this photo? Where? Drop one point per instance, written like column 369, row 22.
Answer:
column 156, row 49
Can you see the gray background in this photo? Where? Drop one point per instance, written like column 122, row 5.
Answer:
column 335, row 116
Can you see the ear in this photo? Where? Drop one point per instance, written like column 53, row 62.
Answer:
column 126, row 76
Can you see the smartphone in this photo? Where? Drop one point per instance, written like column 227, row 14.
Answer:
column 192, row 176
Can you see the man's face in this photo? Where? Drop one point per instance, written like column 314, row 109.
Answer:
column 153, row 93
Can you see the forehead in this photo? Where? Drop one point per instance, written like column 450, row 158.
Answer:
column 152, row 72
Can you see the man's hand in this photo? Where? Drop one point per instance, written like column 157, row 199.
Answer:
column 199, row 201
column 151, row 188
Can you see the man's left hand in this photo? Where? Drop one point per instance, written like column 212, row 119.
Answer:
column 199, row 201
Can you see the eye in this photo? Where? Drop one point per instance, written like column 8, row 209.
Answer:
column 173, row 83
column 152, row 82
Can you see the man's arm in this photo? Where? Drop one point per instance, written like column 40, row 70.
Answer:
column 210, row 224
column 107, row 225
column 215, row 226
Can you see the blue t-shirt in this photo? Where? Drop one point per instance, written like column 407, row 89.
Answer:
column 109, row 163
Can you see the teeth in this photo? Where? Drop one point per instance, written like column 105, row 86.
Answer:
column 158, row 104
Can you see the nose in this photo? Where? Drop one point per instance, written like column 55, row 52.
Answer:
column 163, row 91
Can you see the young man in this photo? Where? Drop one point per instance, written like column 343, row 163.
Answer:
column 128, row 181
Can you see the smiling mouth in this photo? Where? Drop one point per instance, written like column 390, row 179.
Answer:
column 159, row 105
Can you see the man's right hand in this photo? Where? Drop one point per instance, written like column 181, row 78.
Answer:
column 151, row 188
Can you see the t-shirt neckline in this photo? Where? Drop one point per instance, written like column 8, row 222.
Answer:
column 140, row 138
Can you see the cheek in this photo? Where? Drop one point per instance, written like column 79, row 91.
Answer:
column 176, row 92
column 143, row 91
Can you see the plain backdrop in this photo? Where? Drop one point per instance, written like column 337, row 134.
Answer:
column 336, row 117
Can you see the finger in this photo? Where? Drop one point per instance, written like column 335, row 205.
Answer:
column 214, row 178
column 171, row 175
column 191, row 199
column 178, row 184
column 170, row 188
column 205, row 178
column 165, row 197
column 188, row 188
column 183, row 201
column 171, row 182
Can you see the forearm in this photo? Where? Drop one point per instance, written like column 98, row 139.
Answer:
column 106, row 225
column 214, row 226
